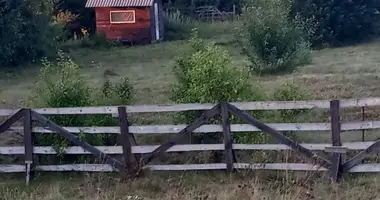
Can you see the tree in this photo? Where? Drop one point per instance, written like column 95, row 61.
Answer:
column 24, row 31
column 86, row 16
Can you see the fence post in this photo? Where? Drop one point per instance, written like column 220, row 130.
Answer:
column 229, row 155
column 28, row 144
column 127, row 140
column 336, row 163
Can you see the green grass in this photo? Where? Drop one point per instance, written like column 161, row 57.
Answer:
column 349, row 72
column 195, row 186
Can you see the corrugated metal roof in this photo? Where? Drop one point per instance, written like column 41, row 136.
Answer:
column 119, row 3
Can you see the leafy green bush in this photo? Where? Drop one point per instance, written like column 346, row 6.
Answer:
column 61, row 85
column 272, row 41
column 341, row 22
column 205, row 75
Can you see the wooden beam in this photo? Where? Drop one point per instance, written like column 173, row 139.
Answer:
column 280, row 137
column 212, row 128
column 28, row 144
column 357, row 159
column 265, row 105
column 336, row 149
column 227, row 137
column 9, row 122
column 127, row 140
column 371, row 168
column 118, row 150
column 336, row 142
column 206, row 116
column 76, row 140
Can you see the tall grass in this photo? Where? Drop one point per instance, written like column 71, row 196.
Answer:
column 178, row 27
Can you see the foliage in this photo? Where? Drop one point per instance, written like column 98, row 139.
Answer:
column 85, row 16
column 223, row 5
column 119, row 93
column 341, row 22
column 61, row 85
column 204, row 75
column 98, row 41
column 25, row 32
column 273, row 42
column 289, row 91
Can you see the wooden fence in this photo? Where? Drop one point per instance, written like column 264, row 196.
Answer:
column 133, row 164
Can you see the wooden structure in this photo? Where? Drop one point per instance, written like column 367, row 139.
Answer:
column 129, row 148
column 204, row 13
column 212, row 14
column 129, row 20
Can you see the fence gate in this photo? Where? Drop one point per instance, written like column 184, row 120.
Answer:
column 225, row 110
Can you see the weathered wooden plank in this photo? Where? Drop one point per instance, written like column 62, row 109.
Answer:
column 205, row 117
column 28, row 144
column 115, row 150
column 76, row 140
column 215, row 166
column 336, row 149
column 9, row 122
column 267, row 105
column 280, row 166
column 357, row 159
column 280, row 137
column 227, row 137
column 161, row 129
column 335, row 133
column 126, row 138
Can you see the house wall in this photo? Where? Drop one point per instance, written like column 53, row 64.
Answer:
column 138, row 31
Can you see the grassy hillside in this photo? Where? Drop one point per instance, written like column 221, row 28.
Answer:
column 347, row 72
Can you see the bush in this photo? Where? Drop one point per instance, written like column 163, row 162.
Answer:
column 340, row 22
column 272, row 41
column 61, row 85
column 205, row 75
column 97, row 40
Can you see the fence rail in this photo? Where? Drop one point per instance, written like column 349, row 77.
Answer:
column 362, row 168
column 118, row 150
column 265, row 105
column 163, row 129
column 129, row 148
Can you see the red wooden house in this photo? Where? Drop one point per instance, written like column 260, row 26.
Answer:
column 129, row 20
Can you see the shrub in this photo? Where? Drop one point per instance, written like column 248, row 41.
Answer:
column 272, row 41
column 205, row 75
column 97, row 40
column 341, row 22
column 61, row 85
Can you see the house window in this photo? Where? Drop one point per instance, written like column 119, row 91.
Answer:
column 122, row 17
